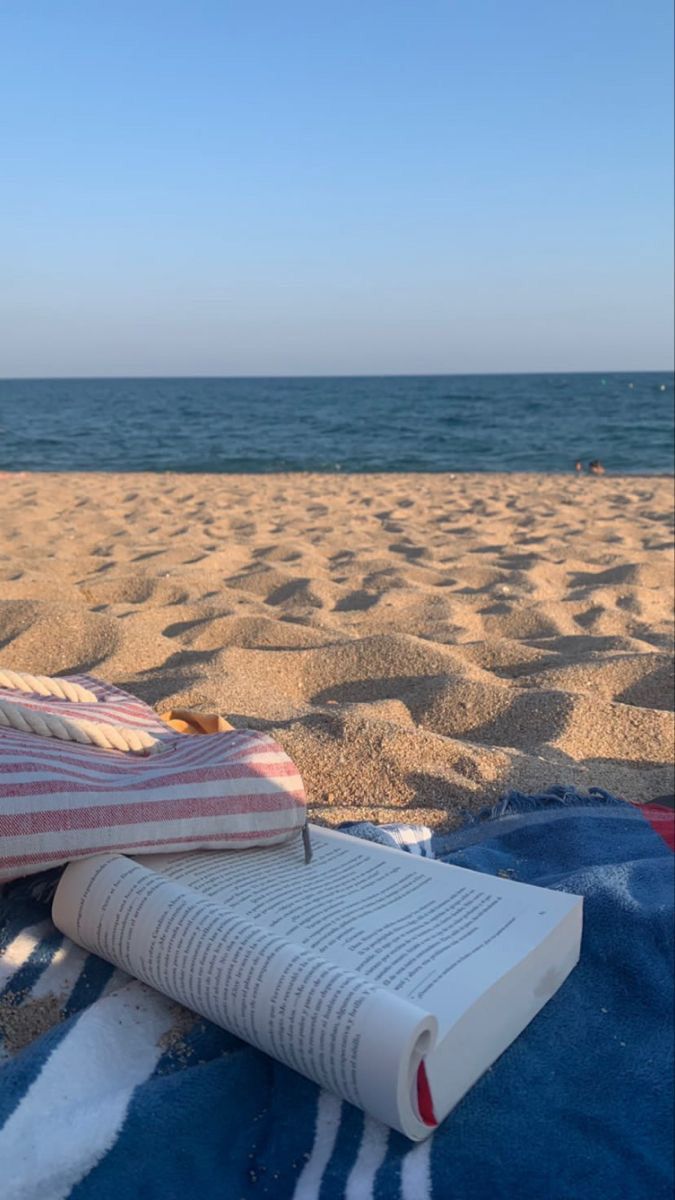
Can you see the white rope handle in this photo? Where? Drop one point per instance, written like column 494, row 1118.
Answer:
column 69, row 729
column 45, row 685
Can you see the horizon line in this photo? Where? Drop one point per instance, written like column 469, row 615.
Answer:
column 340, row 375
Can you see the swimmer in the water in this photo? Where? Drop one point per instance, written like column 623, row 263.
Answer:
column 596, row 467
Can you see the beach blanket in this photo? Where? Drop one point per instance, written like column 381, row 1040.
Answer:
column 124, row 1095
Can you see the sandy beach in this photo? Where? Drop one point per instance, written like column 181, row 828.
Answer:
column 419, row 643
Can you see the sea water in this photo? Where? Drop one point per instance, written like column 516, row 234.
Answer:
column 384, row 423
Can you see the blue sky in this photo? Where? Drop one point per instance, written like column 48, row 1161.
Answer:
column 335, row 188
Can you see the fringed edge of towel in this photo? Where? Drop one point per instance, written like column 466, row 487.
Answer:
column 514, row 802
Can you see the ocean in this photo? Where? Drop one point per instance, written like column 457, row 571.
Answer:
column 371, row 423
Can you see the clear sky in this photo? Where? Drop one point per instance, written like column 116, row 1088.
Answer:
column 320, row 187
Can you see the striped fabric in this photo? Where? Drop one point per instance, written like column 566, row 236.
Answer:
column 60, row 800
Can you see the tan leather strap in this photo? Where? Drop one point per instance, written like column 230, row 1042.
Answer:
column 184, row 720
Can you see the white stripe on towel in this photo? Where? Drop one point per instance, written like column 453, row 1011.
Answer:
column 19, row 950
column 328, row 1113
column 62, row 973
column 117, row 980
column 369, row 1159
column 416, row 1172
column 73, row 1112
column 414, row 838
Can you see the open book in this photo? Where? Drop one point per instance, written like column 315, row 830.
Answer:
column 390, row 979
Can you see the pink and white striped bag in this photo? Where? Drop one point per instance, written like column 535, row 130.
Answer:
column 64, row 799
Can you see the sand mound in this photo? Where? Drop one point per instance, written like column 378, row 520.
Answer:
column 420, row 644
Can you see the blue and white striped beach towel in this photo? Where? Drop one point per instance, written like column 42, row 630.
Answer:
column 125, row 1095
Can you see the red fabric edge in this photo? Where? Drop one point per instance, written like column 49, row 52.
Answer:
column 662, row 821
column 425, row 1104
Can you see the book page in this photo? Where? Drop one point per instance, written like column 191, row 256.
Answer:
column 439, row 935
column 339, row 1029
